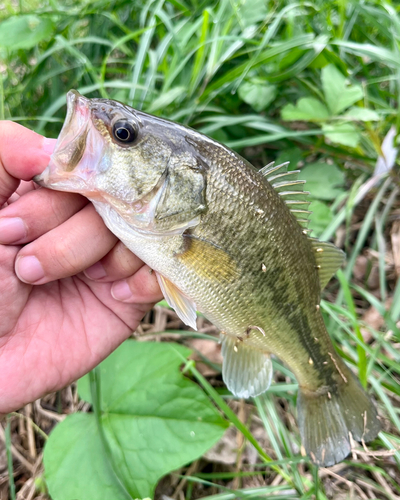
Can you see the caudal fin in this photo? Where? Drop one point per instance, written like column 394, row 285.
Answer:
column 326, row 419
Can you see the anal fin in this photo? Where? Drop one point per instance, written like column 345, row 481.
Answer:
column 247, row 372
column 184, row 307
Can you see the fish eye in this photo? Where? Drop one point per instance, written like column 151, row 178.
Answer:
column 124, row 132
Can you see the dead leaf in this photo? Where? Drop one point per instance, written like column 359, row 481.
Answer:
column 208, row 349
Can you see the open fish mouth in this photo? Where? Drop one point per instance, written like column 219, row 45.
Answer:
column 78, row 149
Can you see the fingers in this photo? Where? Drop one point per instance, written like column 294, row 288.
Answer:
column 35, row 213
column 66, row 239
column 24, row 187
column 66, row 250
column 23, row 154
column 133, row 280
column 141, row 288
column 119, row 263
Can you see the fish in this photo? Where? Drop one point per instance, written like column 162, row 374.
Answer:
column 225, row 239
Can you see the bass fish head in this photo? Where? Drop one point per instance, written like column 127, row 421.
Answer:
column 144, row 167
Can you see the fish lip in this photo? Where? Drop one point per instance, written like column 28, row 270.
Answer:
column 58, row 174
column 78, row 115
column 58, row 182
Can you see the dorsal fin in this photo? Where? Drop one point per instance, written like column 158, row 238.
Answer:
column 290, row 189
column 329, row 259
column 272, row 169
column 294, row 185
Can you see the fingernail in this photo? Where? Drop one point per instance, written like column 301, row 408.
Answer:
column 29, row 269
column 121, row 291
column 96, row 271
column 48, row 145
column 12, row 229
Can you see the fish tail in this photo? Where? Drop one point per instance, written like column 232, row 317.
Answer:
column 327, row 418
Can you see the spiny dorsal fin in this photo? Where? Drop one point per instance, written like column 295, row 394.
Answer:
column 289, row 188
column 294, row 185
column 272, row 169
column 329, row 259
column 289, row 196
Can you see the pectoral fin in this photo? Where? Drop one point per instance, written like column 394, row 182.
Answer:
column 246, row 371
column 184, row 307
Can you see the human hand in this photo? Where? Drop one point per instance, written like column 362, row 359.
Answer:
column 58, row 294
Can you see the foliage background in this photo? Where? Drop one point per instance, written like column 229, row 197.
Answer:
column 313, row 82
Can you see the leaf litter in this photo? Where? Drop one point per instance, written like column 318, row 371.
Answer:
column 371, row 472
column 35, row 421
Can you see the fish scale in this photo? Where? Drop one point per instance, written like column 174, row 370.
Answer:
column 228, row 241
column 287, row 237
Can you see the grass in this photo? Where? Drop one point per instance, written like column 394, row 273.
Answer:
column 228, row 69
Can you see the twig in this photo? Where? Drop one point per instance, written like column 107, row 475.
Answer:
column 384, row 485
column 28, row 490
column 30, row 433
column 49, row 414
column 182, row 483
column 28, row 466
column 277, row 480
column 371, row 488
column 344, row 480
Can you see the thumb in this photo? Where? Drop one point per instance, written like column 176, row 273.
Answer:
column 23, row 154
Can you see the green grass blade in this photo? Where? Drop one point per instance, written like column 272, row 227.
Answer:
column 10, row 459
column 362, row 358
column 235, row 420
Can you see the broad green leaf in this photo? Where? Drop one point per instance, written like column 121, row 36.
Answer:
column 153, row 420
column 323, row 181
column 320, row 217
column 293, row 155
column 338, row 94
column 24, row 32
column 257, row 95
column 361, row 114
column 307, row 109
column 76, row 465
column 342, row 133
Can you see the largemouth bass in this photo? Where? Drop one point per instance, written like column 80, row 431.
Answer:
column 226, row 240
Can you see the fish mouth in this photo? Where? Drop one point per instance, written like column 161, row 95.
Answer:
column 77, row 150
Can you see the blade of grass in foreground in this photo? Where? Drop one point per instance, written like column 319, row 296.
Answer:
column 362, row 235
column 276, row 432
column 9, row 459
column 362, row 358
column 233, row 417
column 256, row 493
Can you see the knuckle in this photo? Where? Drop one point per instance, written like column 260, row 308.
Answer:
column 64, row 256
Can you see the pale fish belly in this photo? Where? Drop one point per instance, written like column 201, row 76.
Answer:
column 228, row 308
column 232, row 309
